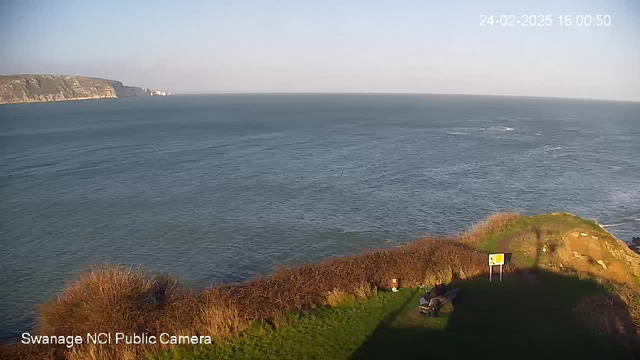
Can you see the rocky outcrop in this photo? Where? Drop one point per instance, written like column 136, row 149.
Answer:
column 635, row 244
column 128, row 91
column 566, row 242
column 41, row 88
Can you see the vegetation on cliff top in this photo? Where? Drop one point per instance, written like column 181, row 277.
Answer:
column 508, row 319
column 340, row 308
column 41, row 88
column 28, row 88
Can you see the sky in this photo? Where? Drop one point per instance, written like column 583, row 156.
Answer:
column 400, row 46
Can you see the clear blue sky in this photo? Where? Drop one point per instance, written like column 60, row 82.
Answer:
column 328, row 46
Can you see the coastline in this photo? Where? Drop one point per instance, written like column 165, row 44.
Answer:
column 226, row 311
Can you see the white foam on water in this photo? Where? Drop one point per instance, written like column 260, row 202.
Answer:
column 501, row 128
column 457, row 133
column 611, row 225
column 513, row 118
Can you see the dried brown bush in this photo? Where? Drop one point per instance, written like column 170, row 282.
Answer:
column 109, row 299
column 337, row 296
column 495, row 222
column 209, row 312
column 307, row 287
column 117, row 299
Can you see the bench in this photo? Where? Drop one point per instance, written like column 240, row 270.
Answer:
column 432, row 306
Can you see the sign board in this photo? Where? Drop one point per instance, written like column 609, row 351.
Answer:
column 496, row 259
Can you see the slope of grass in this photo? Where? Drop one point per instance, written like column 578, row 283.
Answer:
column 512, row 318
column 553, row 224
column 327, row 333
column 533, row 240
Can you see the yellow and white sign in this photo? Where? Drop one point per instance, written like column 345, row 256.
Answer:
column 496, row 259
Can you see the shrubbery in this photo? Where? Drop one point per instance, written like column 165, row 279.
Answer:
column 117, row 299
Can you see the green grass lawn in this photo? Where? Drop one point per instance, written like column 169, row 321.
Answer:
column 550, row 223
column 327, row 333
column 517, row 318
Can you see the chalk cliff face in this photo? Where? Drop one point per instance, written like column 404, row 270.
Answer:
column 40, row 88
column 127, row 91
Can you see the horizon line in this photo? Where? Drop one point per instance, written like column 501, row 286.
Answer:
column 391, row 93
column 244, row 92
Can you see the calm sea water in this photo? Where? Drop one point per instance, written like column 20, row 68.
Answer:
column 221, row 188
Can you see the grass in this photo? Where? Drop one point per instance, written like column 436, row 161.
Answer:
column 341, row 308
column 483, row 321
column 327, row 333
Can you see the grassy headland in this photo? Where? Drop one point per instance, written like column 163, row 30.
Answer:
column 571, row 290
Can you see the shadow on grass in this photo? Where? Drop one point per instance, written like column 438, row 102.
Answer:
column 517, row 318
column 528, row 315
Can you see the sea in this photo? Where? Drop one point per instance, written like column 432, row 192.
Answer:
column 222, row 188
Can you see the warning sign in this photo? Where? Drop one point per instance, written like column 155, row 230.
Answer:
column 496, row 259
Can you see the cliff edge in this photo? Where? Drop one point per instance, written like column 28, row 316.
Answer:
column 570, row 290
column 43, row 88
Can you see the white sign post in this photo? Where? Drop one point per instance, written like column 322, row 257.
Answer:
column 395, row 283
column 495, row 259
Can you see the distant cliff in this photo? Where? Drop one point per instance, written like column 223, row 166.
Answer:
column 41, row 88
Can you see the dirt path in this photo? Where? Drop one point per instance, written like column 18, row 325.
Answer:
column 504, row 243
